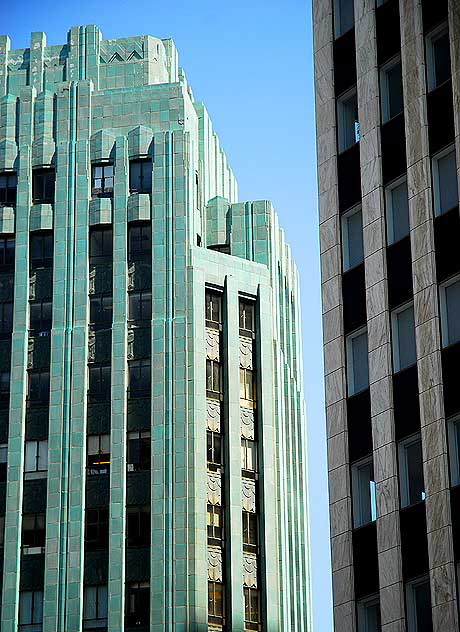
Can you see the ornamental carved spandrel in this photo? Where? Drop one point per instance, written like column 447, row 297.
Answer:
column 214, row 489
column 213, row 415
column 248, row 493
column 250, row 570
column 214, row 564
column 247, row 423
column 246, row 352
column 212, row 344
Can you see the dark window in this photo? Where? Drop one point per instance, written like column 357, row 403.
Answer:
column 4, row 385
column 39, row 386
column 97, row 528
column 6, row 316
column 3, row 469
column 40, row 317
column 98, row 454
column 137, row 604
column 139, row 378
column 438, row 57
column 99, row 382
column 139, row 242
column 100, row 311
column 213, row 379
column 139, row 451
column 7, row 252
column 140, row 306
column 100, row 245
column 215, row 600
column 343, row 16
column 214, row 450
column 418, row 597
column 213, row 310
column 8, row 188
column 43, row 186
column 215, row 522
column 251, row 606
column 250, row 530
column 347, row 120
column 391, row 90
column 102, row 185
column 41, row 250
column 138, row 526
column 33, row 533
column 95, row 611
column 30, row 611
column 246, row 317
column 412, row 485
column 140, row 176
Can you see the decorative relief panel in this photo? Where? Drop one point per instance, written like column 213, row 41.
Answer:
column 214, row 489
column 213, row 415
column 248, row 491
column 214, row 564
column 212, row 344
column 245, row 352
column 247, row 423
column 250, row 570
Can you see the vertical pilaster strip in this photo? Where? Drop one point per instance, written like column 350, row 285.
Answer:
column 93, row 43
column 268, row 559
column 73, row 60
column 37, row 66
column 379, row 340
column 118, row 437
column 75, row 567
column 427, row 325
column 5, row 46
column 18, row 384
column 233, row 482
column 334, row 342
column 60, row 370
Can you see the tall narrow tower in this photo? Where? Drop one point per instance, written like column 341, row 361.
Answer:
column 388, row 137
column 152, row 430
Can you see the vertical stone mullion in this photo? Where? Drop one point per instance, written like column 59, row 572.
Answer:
column 118, row 429
column 18, row 382
column 268, row 558
column 427, row 325
column 233, row 479
column 75, row 568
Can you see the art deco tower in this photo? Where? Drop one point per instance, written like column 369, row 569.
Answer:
column 152, row 430
column 388, row 137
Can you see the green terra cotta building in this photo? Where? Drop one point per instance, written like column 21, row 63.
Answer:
column 152, row 428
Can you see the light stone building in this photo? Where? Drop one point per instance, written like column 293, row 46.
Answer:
column 152, row 429
column 387, row 77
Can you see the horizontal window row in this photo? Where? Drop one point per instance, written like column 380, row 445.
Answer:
column 139, row 380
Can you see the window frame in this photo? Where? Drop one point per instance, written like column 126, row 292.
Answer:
column 248, row 517
column 213, row 299
column 40, row 328
column 140, row 365
column 431, row 37
column 5, row 198
column 99, row 369
column 356, row 467
column 42, row 178
column 361, row 606
column 445, row 338
column 6, row 324
column 98, row 621
column 404, row 477
column 41, row 459
column 346, row 265
column 33, row 624
column 96, row 532
column 385, row 89
column 142, row 253
column 215, row 532
column 38, row 533
column 214, row 447
column 249, row 593
column 397, row 368
column 104, row 191
column 350, row 363
column 99, row 299
column 143, row 162
column 144, row 438
column 145, row 306
column 341, row 101
column 338, row 32
column 247, row 318
column 134, row 592
column 5, row 240
column 46, row 259
column 141, row 537
column 215, row 614
column 103, row 445
column 412, row 623
column 249, row 446
column 454, row 449
column 450, row 149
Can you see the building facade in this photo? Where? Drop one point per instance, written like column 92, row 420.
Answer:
column 387, row 77
column 152, row 430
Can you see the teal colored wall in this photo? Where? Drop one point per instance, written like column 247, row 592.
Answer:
column 91, row 100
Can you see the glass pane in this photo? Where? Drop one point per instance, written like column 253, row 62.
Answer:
column 344, row 16
column 415, row 484
column 348, row 122
column 453, row 312
column 441, row 54
column 30, row 457
column 135, row 175
column 399, row 209
column 43, row 455
column 354, row 240
column 360, row 363
column 364, row 501
column 97, row 172
column 102, row 602
column 25, row 608
column 89, row 602
column 147, row 177
column 134, row 306
column 422, row 607
column 395, row 90
column 447, row 175
column 95, row 244
column 407, row 353
column 38, row 607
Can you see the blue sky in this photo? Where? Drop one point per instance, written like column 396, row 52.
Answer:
column 251, row 63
